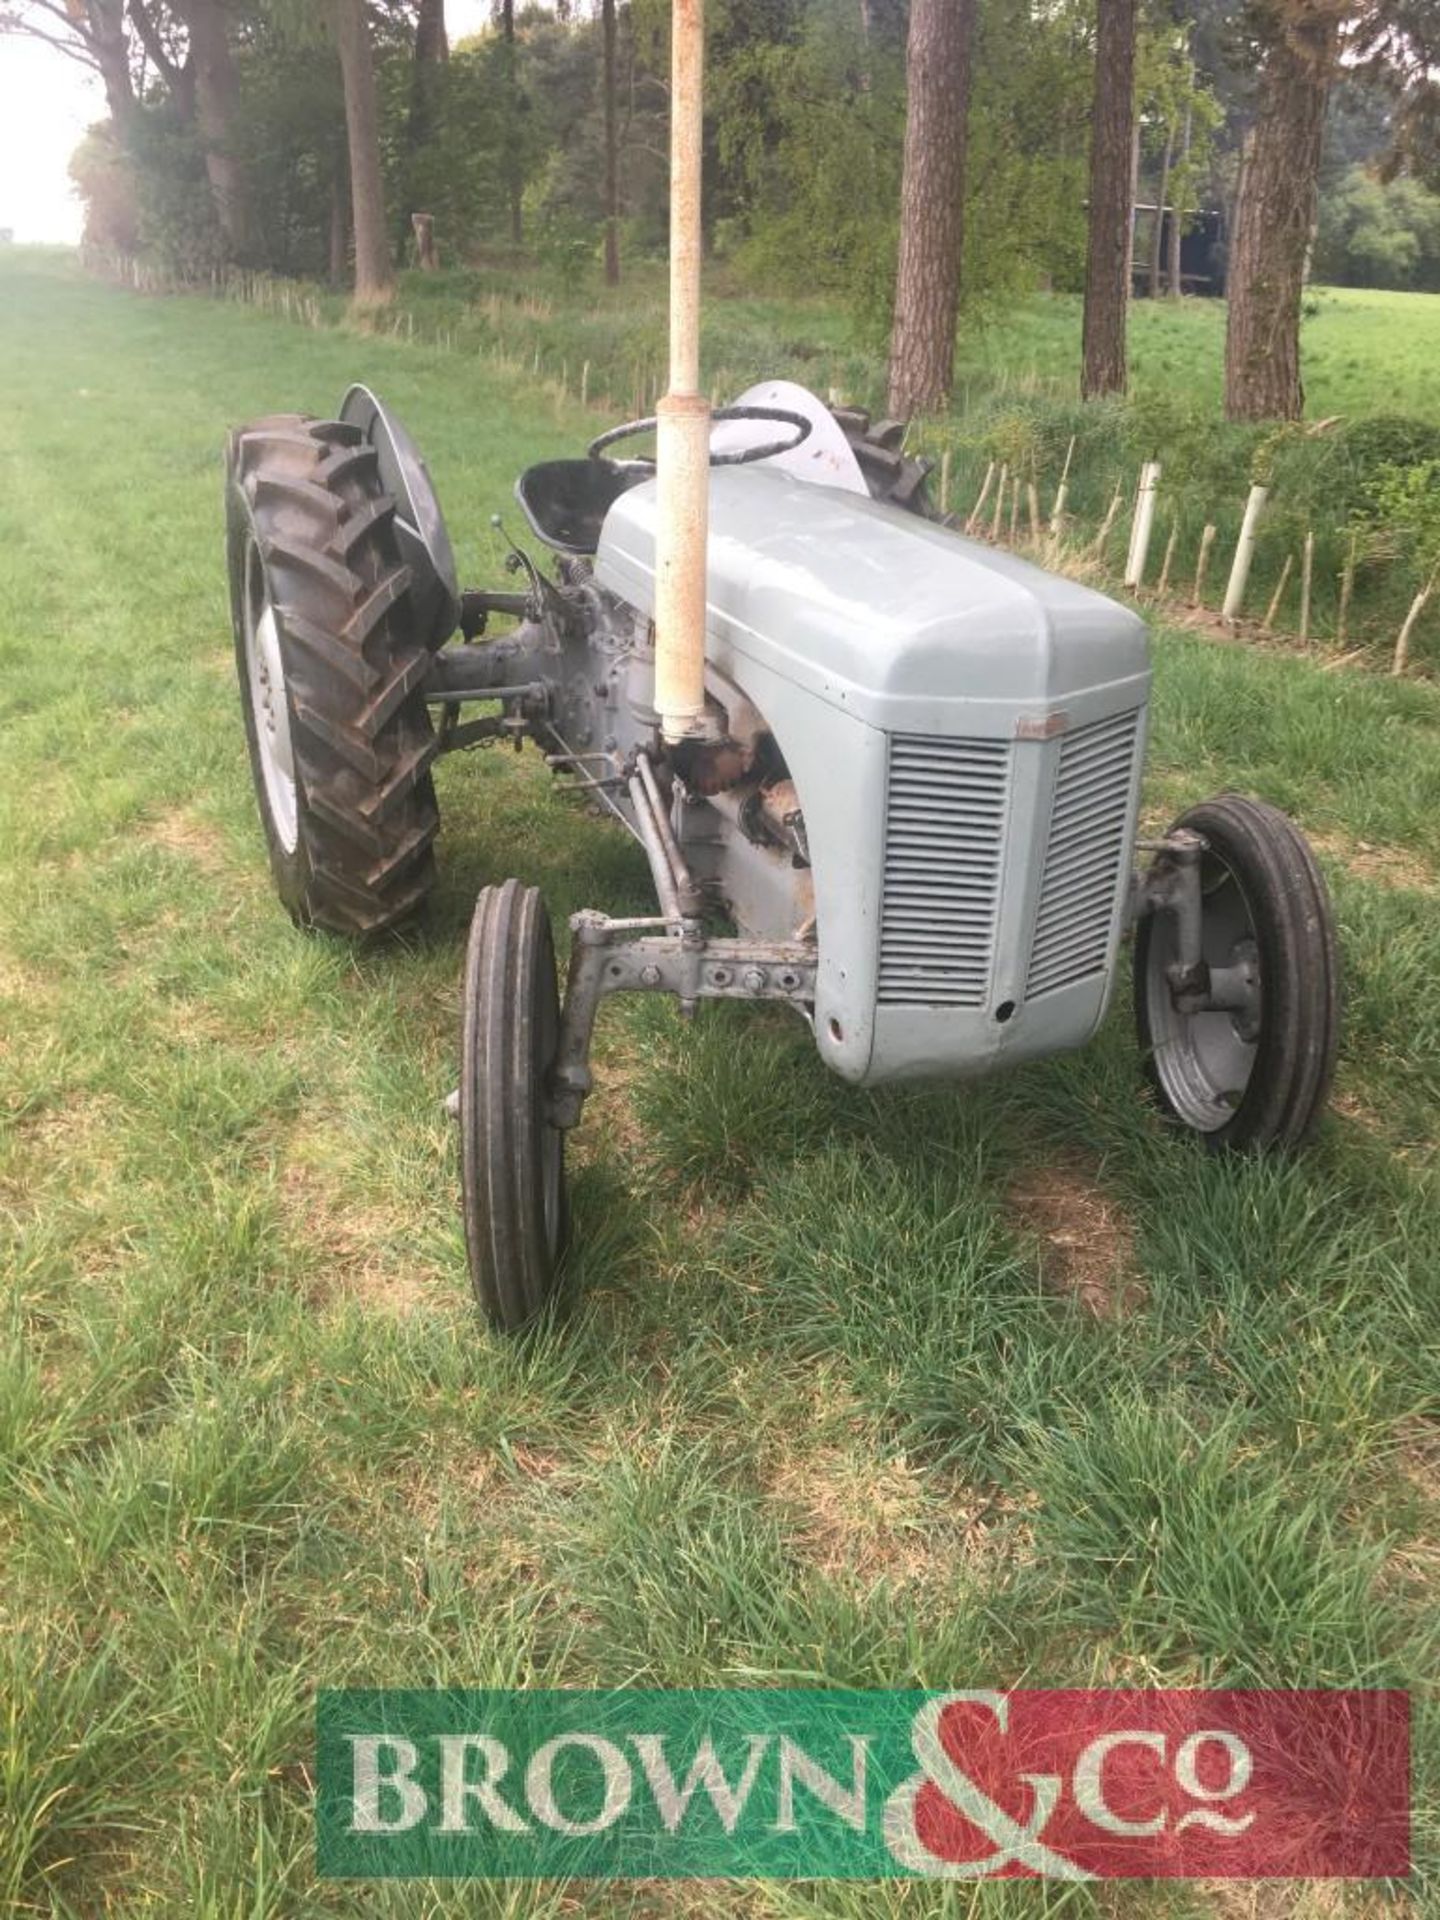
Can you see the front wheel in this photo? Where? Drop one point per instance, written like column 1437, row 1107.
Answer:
column 1257, row 1074
column 512, row 1158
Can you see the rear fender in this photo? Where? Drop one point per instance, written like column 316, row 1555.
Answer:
column 419, row 523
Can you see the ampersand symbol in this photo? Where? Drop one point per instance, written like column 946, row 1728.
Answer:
column 1015, row 1844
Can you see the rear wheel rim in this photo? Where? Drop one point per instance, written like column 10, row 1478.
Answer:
column 269, row 704
column 1204, row 1061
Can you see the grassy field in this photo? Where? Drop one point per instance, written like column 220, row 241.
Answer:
column 1365, row 351
column 998, row 1385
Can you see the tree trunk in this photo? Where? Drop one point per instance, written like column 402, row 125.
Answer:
column 339, row 223
column 932, row 205
column 1275, row 216
column 432, row 51
column 179, row 78
column 1157, row 233
column 374, row 271
column 514, row 181
column 866, row 31
column 432, row 54
column 612, row 149
column 1107, row 267
column 425, row 253
column 432, row 42
column 217, row 103
column 1176, row 275
column 103, row 32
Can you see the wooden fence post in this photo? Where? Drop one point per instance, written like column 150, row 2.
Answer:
column 1057, row 512
column 1274, row 607
column 1402, row 643
column 984, row 495
column 1347, row 587
column 1202, row 563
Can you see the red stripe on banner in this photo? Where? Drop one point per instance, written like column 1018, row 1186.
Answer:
column 1177, row 1784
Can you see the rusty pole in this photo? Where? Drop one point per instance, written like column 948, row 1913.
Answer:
column 683, row 436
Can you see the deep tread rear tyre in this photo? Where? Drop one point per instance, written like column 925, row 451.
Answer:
column 891, row 474
column 311, row 539
column 1261, row 865
column 512, row 1160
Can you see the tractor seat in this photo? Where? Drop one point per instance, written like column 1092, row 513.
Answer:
column 566, row 501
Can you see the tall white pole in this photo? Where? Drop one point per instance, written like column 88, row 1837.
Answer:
column 683, row 437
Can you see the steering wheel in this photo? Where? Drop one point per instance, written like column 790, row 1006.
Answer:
column 743, row 456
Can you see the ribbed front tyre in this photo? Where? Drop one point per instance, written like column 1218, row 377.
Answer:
column 331, row 671
column 1257, row 1076
column 512, row 1159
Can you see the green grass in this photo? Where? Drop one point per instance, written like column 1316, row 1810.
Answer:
column 831, row 1407
column 1365, row 351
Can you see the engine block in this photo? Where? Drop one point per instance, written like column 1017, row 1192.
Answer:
column 964, row 733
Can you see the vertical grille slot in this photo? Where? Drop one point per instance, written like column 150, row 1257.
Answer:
column 1088, row 823
column 944, row 827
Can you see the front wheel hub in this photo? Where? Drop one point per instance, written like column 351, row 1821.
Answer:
column 1237, row 977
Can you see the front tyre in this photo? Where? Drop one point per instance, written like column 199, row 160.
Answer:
column 331, row 670
column 1255, row 1077
column 512, row 1158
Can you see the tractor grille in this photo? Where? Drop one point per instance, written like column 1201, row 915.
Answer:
column 943, row 836
column 1082, row 862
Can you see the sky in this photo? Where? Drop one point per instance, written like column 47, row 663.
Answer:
column 46, row 103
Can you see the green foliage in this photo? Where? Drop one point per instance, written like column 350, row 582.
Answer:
column 292, row 145
column 1375, row 233
column 1407, row 507
column 177, row 223
column 457, row 173
column 1028, row 155
column 103, row 175
column 1380, row 439
column 811, row 132
column 563, row 240
column 1180, row 115
column 561, row 70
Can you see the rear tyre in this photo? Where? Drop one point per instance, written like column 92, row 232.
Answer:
column 890, row 473
column 1257, row 1079
column 331, row 673
column 512, row 1160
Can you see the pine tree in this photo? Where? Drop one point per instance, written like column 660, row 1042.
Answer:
column 932, row 205
column 1112, row 141
column 374, row 269
column 1299, row 45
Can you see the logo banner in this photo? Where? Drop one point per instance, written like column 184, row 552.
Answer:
column 1069, row 1784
